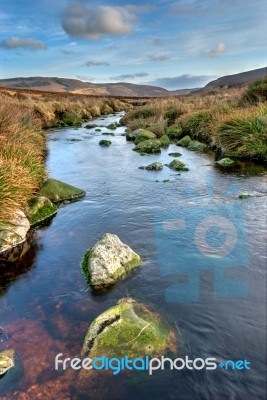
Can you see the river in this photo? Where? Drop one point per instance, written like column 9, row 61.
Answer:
column 46, row 306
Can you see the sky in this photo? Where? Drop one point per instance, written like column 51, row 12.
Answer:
column 172, row 44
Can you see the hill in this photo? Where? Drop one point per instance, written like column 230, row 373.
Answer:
column 75, row 86
column 236, row 80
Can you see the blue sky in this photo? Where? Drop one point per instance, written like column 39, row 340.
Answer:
column 173, row 44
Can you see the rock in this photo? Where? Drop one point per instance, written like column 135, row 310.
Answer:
column 194, row 145
column 71, row 119
column 225, row 162
column 108, row 133
column 244, row 196
column 57, row 191
column 105, row 143
column 130, row 136
column 90, row 126
column 112, row 126
column 41, row 209
column 184, row 141
column 155, row 166
column 6, row 361
column 177, row 166
column 13, row 233
column 165, row 141
column 174, row 154
column 107, row 261
column 98, row 130
column 151, row 146
column 142, row 134
column 128, row 328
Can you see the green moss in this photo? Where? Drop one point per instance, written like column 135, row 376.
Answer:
column 244, row 196
column 57, row 191
column 142, row 135
column 71, row 119
column 174, row 131
column 41, row 209
column 165, row 141
column 148, row 147
column 105, row 143
column 194, row 145
column 225, row 162
column 178, row 166
column 112, row 126
column 184, row 141
column 84, row 266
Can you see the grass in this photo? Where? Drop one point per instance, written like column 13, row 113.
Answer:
column 23, row 115
column 232, row 121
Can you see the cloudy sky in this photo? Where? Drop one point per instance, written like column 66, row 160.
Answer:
column 173, row 44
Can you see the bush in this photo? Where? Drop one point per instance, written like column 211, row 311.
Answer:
column 171, row 114
column 196, row 126
column 256, row 92
column 244, row 137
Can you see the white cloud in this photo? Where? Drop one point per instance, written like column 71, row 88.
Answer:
column 95, row 63
column 81, row 21
column 219, row 49
column 23, row 43
column 129, row 76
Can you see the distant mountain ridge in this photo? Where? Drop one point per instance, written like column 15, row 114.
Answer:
column 240, row 79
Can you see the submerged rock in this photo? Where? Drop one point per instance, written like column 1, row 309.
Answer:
column 175, row 154
column 165, row 141
column 112, row 126
column 107, row 261
column 128, row 328
column 41, row 209
column 151, row 146
column 105, row 143
column 244, row 196
column 184, row 141
column 57, row 191
column 108, row 133
column 90, row 126
column 142, row 134
column 155, row 166
column 6, row 361
column 13, row 233
column 177, row 166
column 194, row 145
column 225, row 162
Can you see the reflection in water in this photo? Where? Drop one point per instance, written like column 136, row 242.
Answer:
column 49, row 308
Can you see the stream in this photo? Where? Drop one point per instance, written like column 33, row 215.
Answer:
column 46, row 306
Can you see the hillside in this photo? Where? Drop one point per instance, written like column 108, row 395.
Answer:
column 64, row 85
column 240, row 79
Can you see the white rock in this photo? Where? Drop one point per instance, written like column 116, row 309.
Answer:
column 14, row 232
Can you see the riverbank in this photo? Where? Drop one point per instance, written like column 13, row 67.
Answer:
column 231, row 122
column 23, row 116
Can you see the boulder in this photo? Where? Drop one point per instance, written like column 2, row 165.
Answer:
column 128, row 328
column 130, row 136
column 177, row 166
column 142, row 135
column 112, row 126
column 151, row 146
column 155, row 166
column 184, row 141
column 57, row 191
column 41, row 209
column 107, row 261
column 6, row 361
column 194, row 145
column 13, row 233
column 165, row 141
column 175, row 154
column 105, row 143
column 225, row 162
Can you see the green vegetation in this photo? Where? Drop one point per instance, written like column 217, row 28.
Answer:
column 256, row 92
column 105, row 143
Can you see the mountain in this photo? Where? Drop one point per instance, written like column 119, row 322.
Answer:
column 64, row 85
column 235, row 80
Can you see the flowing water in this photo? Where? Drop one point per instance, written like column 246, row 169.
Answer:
column 46, row 307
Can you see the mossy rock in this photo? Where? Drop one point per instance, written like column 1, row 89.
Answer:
column 244, row 196
column 194, row 145
column 41, row 209
column 177, row 166
column 6, row 361
column 176, row 154
column 151, row 146
column 128, row 329
column 174, row 131
column 130, row 136
column 225, row 162
column 71, row 119
column 57, row 191
column 156, row 166
column 98, row 130
column 107, row 261
column 108, row 133
column 90, row 126
column 142, row 135
column 165, row 141
column 184, row 141
column 112, row 126
column 105, row 143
